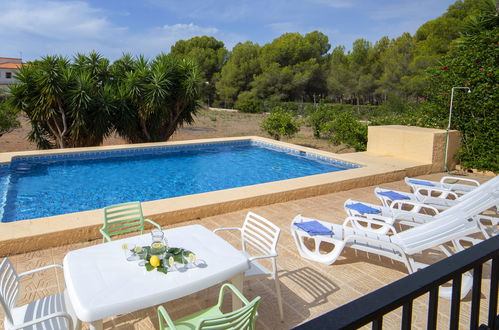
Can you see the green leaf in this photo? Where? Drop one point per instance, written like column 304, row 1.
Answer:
column 175, row 250
column 149, row 267
column 162, row 270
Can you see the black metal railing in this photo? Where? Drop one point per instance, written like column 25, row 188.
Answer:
column 372, row 307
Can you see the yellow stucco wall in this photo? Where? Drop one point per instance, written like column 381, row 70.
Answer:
column 419, row 144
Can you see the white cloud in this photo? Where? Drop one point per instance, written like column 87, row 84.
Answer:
column 160, row 39
column 41, row 27
column 187, row 30
column 57, row 20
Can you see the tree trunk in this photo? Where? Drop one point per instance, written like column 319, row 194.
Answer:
column 143, row 127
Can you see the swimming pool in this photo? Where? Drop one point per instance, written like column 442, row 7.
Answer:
column 41, row 186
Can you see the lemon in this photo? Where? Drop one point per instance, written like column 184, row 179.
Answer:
column 157, row 245
column 192, row 257
column 154, row 261
column 138, row 249
column 171, row 261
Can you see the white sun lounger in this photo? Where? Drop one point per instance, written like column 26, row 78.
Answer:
column 452, row 183
column 407, row 213
column 412, row 214
column 440, row 198
column 449, row 227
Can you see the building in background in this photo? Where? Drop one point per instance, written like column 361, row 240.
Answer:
column 8, row 69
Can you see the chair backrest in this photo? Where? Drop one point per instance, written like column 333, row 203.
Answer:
column 123, row 218
column 260, row 234
column 9, row 287
column 243, row 318
column 448, row 225
column 484, row 188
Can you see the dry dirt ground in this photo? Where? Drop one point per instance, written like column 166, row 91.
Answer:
column 208, row 124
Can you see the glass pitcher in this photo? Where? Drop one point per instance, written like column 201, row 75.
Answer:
column 158, row 245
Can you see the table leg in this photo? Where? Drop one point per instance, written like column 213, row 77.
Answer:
column 238, row 282
column 96, row 325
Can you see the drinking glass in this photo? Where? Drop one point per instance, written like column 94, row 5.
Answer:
column 189, row 259
column 169, row 262
column 142, row 253
column 129, row 249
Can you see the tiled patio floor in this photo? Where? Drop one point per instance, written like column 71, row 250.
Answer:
column 308, row 288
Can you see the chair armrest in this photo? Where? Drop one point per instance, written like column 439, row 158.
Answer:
column 273, row 255
column 47, row 317
column 227, row 228
column 153, row 223
column 163, row 315
column 425, row 192
column 416, row 207
column 356, row 224
column 40, row 269
column 455, row 178
column 234, row 291
column 105, row 235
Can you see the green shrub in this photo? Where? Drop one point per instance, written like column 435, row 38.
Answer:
column 345, row 128
column 320, row 116
column 392, row 105
column 246, row 102
column 280, row 123
column 8, row 119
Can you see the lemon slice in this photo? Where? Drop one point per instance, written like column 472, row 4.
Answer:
column 138, row 249
column 171, row 261
column 192, row 257
column 157, row 245
column 124, row 246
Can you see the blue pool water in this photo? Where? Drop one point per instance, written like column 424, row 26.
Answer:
column 33, row 187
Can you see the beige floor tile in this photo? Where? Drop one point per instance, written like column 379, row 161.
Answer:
column 308, row 289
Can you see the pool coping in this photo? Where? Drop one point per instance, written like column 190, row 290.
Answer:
column 30, row 235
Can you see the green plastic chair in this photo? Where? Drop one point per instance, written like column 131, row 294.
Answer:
column 213, row 317
column 123, row 218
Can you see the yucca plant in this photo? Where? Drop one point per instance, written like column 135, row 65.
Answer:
column 68, row 104
column 161, row 95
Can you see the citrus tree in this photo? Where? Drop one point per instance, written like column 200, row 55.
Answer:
column 280, row 123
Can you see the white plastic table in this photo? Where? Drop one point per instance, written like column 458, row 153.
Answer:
column 102, row 283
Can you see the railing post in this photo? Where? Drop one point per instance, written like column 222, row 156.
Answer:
column 475, row 297
column 455, row 302
column 433, row 309
column 407, row 316
column 494, row 278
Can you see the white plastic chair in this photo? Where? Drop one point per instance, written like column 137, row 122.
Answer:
column 452, row 183
column 53, row 312
column 261, row 235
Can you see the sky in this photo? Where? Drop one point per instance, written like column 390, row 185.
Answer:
column 35, row 28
